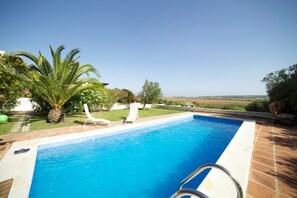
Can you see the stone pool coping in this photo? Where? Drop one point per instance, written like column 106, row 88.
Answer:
column 236, row 158
column 20, row 167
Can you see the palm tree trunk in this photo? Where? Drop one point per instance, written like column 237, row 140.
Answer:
column 55, row 116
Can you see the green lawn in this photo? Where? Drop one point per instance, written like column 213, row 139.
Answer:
column 6, row 127
column 39, row 122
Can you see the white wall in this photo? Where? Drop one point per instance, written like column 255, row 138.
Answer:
column 24, row 104
column 117, row 106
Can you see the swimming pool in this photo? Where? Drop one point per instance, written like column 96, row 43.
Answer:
column 148, row 162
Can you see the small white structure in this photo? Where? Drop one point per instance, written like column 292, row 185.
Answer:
column 118, row 106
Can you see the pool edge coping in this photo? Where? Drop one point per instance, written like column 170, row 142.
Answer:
column 237, row 159
column 14, row 164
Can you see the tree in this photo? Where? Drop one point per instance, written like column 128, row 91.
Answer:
column 119, row 94
column 11, row 85
column 129, row 97
column 282, row 86
column 151, row 93
column 56, row 83
column 109, row 98
column 259, row 105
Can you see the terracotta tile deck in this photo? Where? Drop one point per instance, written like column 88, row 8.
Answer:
column 273, row 171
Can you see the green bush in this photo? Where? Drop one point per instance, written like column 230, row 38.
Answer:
column 97, row 101
column 11, row 84
column 259, row 105
column 40, row 106
column 281, row 86
column 187, row 104
column 91, row 97
column 126, row 96
column 166, row 102
column 234, row 107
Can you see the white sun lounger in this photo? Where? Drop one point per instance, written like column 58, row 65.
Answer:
column 94, row 120
column 133, row 113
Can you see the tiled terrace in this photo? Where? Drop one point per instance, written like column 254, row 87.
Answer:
column 273, row 171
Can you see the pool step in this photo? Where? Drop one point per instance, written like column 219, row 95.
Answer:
column 193, row 192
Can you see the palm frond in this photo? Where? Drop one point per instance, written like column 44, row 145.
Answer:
column 27, row 55
column 58, row 82
column 46, row 66
column 70, row 56
column 56, row 55
column 87, row 69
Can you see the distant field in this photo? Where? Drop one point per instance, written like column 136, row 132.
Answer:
column 208, row 101
column 214, row 103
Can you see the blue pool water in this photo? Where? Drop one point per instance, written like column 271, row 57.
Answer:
column 149, row 162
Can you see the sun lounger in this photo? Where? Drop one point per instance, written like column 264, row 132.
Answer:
column 94, row 120
column 133, row 113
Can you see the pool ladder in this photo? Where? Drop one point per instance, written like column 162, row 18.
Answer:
column 195, row 193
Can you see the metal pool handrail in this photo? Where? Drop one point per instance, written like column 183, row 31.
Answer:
column 193, row 192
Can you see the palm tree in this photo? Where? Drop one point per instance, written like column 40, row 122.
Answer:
column 56, row 83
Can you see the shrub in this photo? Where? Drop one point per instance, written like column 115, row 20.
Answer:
column 282, row 86
column 91, row 97
column 259, row 105
column 126, row 97
column 187, row 104
column 109, row 98
column 234, row 107
column 97, row 101
column 40, row 106
column 11, row 84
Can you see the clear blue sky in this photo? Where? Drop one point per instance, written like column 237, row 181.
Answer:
column 191, row 47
